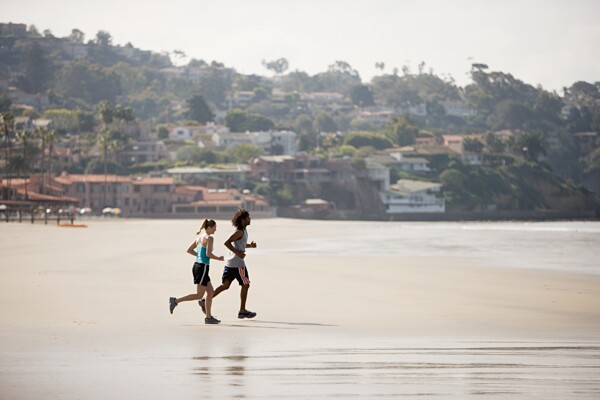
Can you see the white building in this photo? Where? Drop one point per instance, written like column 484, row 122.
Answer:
column 186, row 132
column 230, row 174
column 407, row 196
column 458, row 108
column 265, row 140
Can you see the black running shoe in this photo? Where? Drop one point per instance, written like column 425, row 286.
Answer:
column 172, row 304
column 246, row 314
column 211, row 320
column 203, row 305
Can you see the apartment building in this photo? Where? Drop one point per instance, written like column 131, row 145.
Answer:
column 155, row 195
column 99, row 191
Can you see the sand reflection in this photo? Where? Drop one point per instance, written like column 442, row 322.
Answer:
column 492, row 370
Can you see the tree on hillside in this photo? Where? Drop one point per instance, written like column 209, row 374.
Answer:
column 368, row 139
column 241, row 121
column 216, row 84
column 510, row 114
column 299, row 81
column 324, row 123
column 243, row 152
column 472, row 145
column 402, row 130
column 77, row 36
column 5, row 102
column 362, row 96
column 103, row 38
column 532, row 145
column 340, row 77
column 198, row 110
column 89, row 82
column 36, row 71
column 278, row 66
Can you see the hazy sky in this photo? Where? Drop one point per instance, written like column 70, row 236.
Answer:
column 549, row 42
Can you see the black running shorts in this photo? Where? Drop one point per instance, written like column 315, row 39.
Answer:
column 240, row 274
column 200, row 272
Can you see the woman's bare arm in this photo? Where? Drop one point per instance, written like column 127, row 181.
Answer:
column 192, row 249
column 209, row 250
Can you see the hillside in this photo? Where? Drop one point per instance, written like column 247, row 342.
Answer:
column 102, row 98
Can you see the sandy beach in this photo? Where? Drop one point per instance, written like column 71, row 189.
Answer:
column 84, row 315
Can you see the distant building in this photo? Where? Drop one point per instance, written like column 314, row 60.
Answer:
column 377, row 118
column 454, row 142
column 458, row 109
column 155, row 194
column 399, row 162
column 187, row 132
column 290, row 169
column 142, row 152
column 217, row 203
column 10, row 29
column 282, row 141
column 224, row 176
column 408, row 196
column 99, row 191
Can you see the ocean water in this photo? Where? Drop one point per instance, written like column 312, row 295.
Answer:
column 563, row 246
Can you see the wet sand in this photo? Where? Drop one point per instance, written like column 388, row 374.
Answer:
column 84, row 315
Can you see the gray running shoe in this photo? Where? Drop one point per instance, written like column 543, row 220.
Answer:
column 202, row 305
column 172, row 304
column 211, row 320
column 246, row 314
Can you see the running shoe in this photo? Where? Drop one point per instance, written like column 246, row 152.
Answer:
column 172, row 304
column 246, row 314
column 211, row 320
column 203, row 305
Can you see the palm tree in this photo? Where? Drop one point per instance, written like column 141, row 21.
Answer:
column 104, row 139
column 23, row 136
column 7, row 120
column 48, row 136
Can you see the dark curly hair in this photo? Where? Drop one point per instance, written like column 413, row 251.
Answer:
column 237, row 218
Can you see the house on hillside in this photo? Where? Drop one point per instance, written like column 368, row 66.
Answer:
column 225, row 176
column 144, row 152
column 284, row 142
column 408, row 196
column 187, row 132
column 401, row 163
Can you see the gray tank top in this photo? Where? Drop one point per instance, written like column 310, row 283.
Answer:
column 233, row 261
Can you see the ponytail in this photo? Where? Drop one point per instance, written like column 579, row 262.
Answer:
column 206, row 224
column 202, row 227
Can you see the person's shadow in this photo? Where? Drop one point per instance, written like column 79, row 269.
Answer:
column 286, row 325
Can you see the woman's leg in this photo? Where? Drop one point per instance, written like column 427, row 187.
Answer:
column 209, row 297
column 199, row 293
